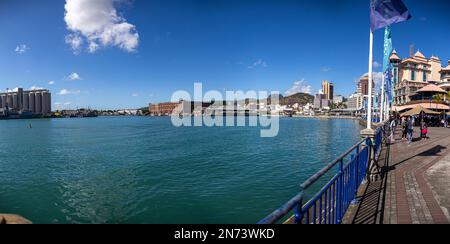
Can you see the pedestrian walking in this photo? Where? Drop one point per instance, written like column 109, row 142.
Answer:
column 392, row 128
column 404, row 129
column 410, row 130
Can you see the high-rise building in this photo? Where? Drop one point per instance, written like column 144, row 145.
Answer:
column 328, row 89
column 363, row 86
column 319, row 99
column 35, row 101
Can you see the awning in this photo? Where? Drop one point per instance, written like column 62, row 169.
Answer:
column 435, row 106
column 419, row 110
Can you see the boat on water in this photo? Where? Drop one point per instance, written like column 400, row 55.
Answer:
column 7, row 115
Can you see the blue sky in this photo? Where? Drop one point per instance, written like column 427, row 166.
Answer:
column 226, row 45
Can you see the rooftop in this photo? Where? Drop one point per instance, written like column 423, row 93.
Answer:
column 432, row 88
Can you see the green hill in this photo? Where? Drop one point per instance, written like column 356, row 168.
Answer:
column 300, row 98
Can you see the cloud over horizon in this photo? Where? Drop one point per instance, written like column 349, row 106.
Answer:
column 65, row 92
column 98, row 24
column 258, row 63
column 74, row 76
column 300, row 87
column 21, row 49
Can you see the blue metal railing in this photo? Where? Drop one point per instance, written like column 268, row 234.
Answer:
column 380, row 134
column 331, row 203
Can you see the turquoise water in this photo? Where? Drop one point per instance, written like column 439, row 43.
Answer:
column 143, row 170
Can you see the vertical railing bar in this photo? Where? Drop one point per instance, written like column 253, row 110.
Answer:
column 325, row 214
column 320, row 210
column 307, row 216
column 329, row 205
column 314, row 213
column 341, row 186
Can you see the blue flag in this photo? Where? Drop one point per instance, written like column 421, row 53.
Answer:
column 388, row 84
column 388, row 49
column 387, row 12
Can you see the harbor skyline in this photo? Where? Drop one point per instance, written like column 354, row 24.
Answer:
column 246, row 52
column 224, row 112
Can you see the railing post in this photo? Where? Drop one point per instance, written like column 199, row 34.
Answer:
column 356, row 179
column 372, row 171
column 298, row 218
column 340, row 192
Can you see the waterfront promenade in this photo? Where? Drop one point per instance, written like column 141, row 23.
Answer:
column 414, row 187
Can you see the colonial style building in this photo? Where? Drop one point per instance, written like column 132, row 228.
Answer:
column 418, row 81
column 414, row 73
column 445, row 78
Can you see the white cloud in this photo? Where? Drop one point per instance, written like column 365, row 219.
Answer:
column 51, row 82
column 75, row 42
column 135, row 94
column 65, row 92
column 33, row 88
column 99, row 24
column 67, row 103
column 376, row 65
column 300, row 87
column 326, row 69
column 22, row 49
column 74, row 76
column 258, row 63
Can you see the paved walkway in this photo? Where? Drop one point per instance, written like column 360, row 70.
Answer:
column 415, row 187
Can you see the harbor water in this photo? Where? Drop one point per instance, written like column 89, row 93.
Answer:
column 144, row 170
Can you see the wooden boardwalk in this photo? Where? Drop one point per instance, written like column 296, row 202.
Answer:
column 414, row 187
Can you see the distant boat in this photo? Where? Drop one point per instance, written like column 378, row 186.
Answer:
column 22, row 115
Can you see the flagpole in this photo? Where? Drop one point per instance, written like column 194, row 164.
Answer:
column 369, row 105
column 383, row 99
column 387, row 110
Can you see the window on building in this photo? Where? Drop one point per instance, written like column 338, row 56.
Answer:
column 424, row 76
column 395, row 75
column 413, row 75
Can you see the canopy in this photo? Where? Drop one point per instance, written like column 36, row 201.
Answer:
column 432, row 88
column 419, row 110
column 433, row 105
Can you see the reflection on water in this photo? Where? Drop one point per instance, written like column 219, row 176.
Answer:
column 143, row 170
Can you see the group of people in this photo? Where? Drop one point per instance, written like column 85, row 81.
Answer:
column 407, row 125
column 408, row 128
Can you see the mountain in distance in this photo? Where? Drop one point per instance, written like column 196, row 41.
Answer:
column 300, row 98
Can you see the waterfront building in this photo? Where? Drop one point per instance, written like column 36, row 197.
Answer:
column 328, row 89
column 182, row 108
column 414, row 73
column 338, row 99
column 359, row 99
column 363, row 86
column 445, row 78
column 355, row 101
column 34, row 101
column 163, row 109
column 318, row 100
